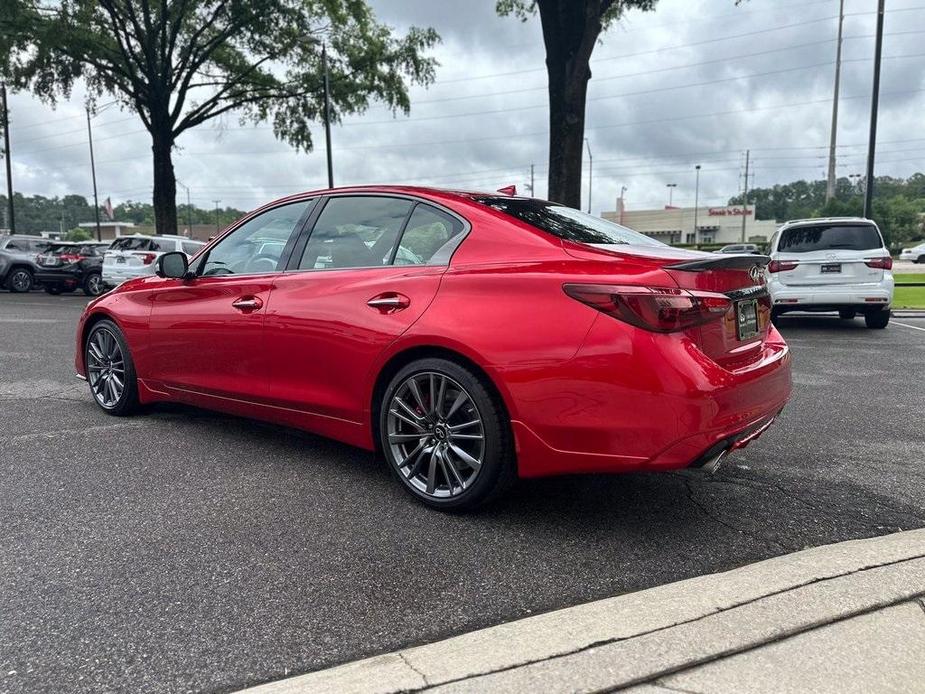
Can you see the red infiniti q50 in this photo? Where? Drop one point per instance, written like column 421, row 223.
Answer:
column 471, row 338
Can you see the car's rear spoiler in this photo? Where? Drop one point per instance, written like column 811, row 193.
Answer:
column 722, row 262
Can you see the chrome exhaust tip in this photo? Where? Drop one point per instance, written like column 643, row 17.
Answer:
column 713, row 464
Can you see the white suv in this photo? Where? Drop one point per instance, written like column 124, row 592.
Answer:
column 832, row 264
column 133, row 256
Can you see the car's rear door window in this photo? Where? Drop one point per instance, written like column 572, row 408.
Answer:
column 355, row 231
column 428, row 233
column 828, row 237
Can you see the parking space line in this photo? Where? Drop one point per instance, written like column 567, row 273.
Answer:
column 906, row 325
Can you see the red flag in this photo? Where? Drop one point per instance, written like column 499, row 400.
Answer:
column 107, row 208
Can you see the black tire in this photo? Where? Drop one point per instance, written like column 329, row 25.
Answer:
column 53, row 289
column 920, row 260
column 19, row 280
column 775, row 316
column 877, row 319
column 127, row 401
column 847, row 314
column 498, row 469
column 93, row 284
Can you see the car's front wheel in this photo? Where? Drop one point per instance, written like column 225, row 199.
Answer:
column 93, row 284
column 110, row 370
column 20, row 280
column 445, row 435
column 877, row 319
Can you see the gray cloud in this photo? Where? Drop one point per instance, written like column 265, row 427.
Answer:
column 484, row 121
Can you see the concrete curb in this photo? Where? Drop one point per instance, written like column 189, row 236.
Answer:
column 636, row 638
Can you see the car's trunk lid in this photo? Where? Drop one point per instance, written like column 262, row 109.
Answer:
column 829, row 267
column 734, row 339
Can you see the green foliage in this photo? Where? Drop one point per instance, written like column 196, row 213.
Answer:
column 898, row 207
column 38, row 213
column 78, row 234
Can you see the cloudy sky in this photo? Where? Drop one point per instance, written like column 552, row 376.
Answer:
column 695, row 82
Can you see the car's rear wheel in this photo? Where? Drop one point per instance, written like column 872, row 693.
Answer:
column 847, row 314
column 20, row 280
column 877, row 319
column 445, row 435
column 110, row 370
column 920, row 259
column 93, row 284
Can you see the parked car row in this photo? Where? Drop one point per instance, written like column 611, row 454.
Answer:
column 90, row 266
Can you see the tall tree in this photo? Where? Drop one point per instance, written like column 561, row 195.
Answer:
column 180, row 63
column 571, row 29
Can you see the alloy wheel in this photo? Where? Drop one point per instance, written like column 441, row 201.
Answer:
column 435, row 434
column 21, row 281
column 105, row 368
column 95, row 284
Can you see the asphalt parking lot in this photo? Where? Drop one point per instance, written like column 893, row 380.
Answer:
column 187, row 551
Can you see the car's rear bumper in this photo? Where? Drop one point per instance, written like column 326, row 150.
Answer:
column 58, row 277
column 114, row 276
column 832, row 297
column 650, row 402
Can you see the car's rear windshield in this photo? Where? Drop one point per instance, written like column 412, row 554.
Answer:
column 566, row 222
column 131, row 244
column 829, row 237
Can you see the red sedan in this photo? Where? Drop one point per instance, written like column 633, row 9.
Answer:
column 470, row 338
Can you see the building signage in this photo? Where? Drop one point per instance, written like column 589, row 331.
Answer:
column 730, row 211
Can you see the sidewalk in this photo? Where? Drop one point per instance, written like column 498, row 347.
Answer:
column 848, row 617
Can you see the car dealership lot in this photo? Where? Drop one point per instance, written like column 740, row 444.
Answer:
column 184, row 550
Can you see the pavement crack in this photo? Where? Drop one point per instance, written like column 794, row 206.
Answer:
column 716, row 519
column 921, row 602
column 407, row 662
column 662, row 685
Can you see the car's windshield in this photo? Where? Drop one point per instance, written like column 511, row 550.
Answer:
column 827, row 237
column 566, row 222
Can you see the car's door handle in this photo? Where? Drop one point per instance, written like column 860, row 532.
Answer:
column 389, row 302
column 247, row 303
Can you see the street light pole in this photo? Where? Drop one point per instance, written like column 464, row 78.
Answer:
column 671, row 187
column 217, row 229
column 189, row 210
column 745, row 196
column 874, row 105
column 696, row 204
column 830, row 182
column 96, row 202
column 623, row 190
column 6, row 155
column 590, row 173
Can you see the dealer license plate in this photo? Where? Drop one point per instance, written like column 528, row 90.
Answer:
column 746, row 319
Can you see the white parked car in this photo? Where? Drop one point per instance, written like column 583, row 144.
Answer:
column 916, row 254
column 133, row 256
column 833, row 264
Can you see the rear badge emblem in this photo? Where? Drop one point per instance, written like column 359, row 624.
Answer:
column 756, row 273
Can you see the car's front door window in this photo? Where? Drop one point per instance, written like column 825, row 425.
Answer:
column 257, row 245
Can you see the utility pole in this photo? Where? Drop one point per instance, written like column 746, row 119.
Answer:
column 623, row 190
column 216, row 216
column 745, row 197
column 874, row 105
column 327, row 114
column 590, row 173
column 6, row 155
column 96, row 202
column 532, row 181
column 189, row 210
column 830, row 182
column 696, row 204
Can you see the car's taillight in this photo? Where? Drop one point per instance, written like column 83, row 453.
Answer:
column 880, row 263
column 71, row 257
column 147, row 258
column 660, row 309
column 782, row 265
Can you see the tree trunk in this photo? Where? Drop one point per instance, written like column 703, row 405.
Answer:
column 165, row 185
column 570, row 30
column 567, row 95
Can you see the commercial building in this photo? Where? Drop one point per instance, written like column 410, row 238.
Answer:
column 713, row 224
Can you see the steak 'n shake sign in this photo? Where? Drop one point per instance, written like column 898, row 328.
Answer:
column 734, row 211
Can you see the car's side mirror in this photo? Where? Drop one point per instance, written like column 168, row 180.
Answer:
column 173, row 265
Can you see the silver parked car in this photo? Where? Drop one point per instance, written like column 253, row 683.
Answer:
column 17, row 261
column 133, row 256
